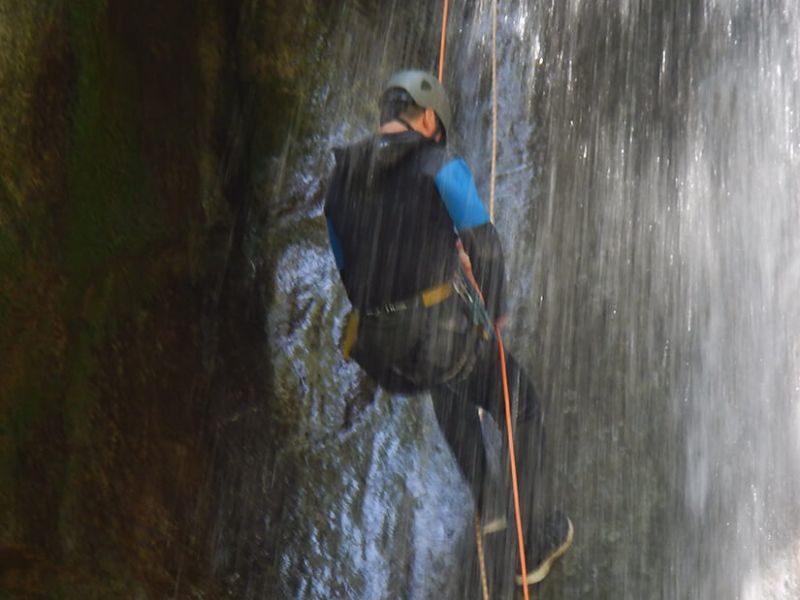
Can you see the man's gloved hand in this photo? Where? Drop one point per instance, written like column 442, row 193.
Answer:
column 501, row 321
column 466, row 263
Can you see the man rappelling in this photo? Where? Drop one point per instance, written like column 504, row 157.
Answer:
column 423, row 268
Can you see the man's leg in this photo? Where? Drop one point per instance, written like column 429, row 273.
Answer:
column 497, row 504
column 547, row 531
column 456, row 406
column 471, row 415
column 456, row 409
column 461, row 427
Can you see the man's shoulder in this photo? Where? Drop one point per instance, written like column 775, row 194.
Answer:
column 358, row 146
column 429, row 156
column 434, row 157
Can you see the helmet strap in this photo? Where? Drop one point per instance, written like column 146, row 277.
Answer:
column 404, row 122
column 439, row 129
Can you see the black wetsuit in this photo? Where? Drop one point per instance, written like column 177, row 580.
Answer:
column 395, row 206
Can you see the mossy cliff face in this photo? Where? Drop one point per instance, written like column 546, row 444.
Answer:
column 133, row 279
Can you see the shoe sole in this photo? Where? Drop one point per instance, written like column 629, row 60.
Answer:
column 495, row 525
column 540, row 573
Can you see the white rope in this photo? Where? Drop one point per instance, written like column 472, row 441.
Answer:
column 481, row 557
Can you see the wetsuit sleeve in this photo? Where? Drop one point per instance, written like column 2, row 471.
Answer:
column 482, row 244
column 336, row 245
column 331, row 194
column 479, row 237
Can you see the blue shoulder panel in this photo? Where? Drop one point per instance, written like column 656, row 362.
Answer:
column 336, row 246
column 457, row 188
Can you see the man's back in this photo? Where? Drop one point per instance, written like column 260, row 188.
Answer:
column 394, row 234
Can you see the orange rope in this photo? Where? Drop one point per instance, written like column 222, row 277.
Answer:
column 513, row 460
column 442, row 44
column 512, row 457
column 511, row 453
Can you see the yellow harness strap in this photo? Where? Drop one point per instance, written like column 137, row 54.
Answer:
column 429, row 297
column 350, row 333
column 437, row 294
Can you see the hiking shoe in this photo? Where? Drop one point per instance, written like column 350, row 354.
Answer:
column 553, row 540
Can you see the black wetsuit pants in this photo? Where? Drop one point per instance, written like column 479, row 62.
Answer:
column 479, row 444
column 441, row 350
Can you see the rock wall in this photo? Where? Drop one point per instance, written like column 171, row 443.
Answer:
column 168, row 369
column 134, row 141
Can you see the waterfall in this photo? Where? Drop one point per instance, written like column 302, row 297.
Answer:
column 648, row 162
column 662, row 263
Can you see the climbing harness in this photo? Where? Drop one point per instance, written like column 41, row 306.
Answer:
column 498, row 337
column 425, row 299
column 464, row 285
column 460, row 285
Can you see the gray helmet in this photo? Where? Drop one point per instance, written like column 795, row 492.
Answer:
column 426, row 90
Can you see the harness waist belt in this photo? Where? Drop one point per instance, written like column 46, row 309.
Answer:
column 426, row 298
